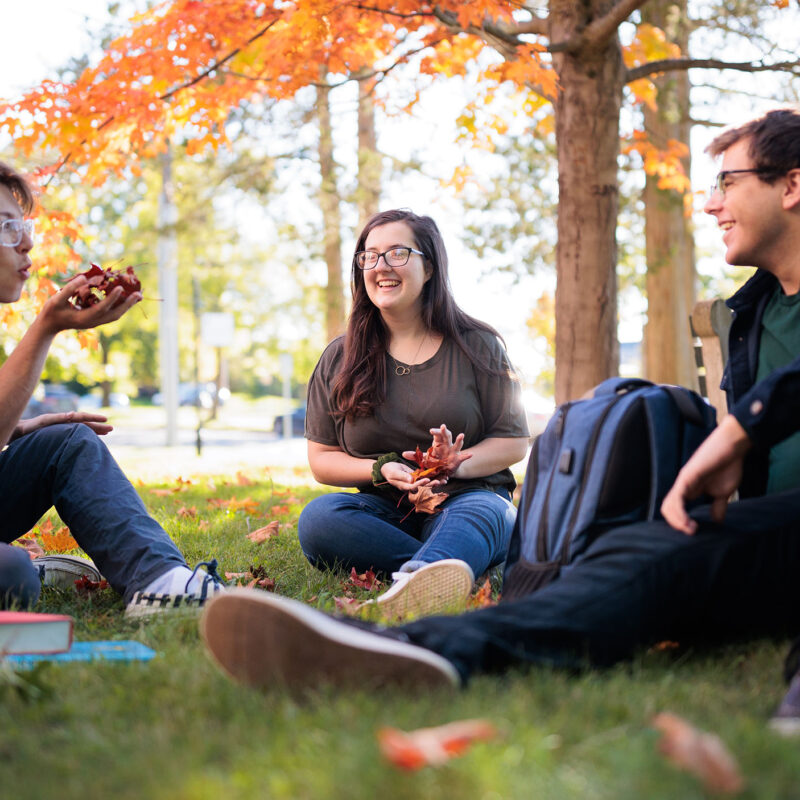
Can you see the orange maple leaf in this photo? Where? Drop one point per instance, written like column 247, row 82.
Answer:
column 432, row 746
column 429, row 466
column 483, row 597
column 59, row 541
column 702, row 754
column 262, row 534
column 190, row 511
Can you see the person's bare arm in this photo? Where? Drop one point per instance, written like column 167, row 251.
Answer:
column 20, row 373
column 715, row 469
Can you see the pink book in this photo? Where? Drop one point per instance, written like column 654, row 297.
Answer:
column 29, row 632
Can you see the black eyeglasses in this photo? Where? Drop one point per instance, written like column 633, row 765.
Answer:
column 394, row 257
column 721, row 181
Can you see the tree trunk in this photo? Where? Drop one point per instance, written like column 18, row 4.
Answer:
column 587, row 112
column 368, row 192
column 331, row 217
column 669, row 240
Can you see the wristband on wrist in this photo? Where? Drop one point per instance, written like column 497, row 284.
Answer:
column 377, row 477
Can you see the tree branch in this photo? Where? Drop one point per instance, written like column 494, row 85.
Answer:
column 682, row 64
column 600, row 30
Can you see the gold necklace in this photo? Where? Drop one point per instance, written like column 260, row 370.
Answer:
column 402, row 369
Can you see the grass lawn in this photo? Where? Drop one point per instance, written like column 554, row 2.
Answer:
column 176, row 728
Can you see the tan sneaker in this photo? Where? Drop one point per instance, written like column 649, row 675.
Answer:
column 437, row 588
column 267, row 641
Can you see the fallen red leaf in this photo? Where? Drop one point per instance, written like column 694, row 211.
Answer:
column 262, row 534
column 703, row 754
column 85, row 587
column 191, row 511
column 483, row 597
column 101, row 281
column 432, row 746
column 365, row 580
column 29, row 543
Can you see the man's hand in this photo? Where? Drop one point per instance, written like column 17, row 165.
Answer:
column 714, row 469
column 58, row 314
column 97, row 422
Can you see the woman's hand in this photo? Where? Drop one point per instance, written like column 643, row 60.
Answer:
column 97, row 422
column 445, row 450
column 398, row 475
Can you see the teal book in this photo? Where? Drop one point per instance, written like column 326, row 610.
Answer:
column 88, row 651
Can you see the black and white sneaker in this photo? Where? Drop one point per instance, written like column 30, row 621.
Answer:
column 264, row 640
column 62, row 571
column 143, row 604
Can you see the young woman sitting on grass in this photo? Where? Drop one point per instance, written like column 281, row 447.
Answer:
column 411, row 366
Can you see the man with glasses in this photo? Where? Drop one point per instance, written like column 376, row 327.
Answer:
column 707, row 576
column 58, row 459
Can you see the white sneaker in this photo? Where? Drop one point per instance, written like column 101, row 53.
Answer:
column 143, row 604
column 437, row 588
column 62, row 571
column 265, row 641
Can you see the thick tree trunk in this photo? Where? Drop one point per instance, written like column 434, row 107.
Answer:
column 368, row 191
column 587, row 130
column 331, row 218
column 668, row 356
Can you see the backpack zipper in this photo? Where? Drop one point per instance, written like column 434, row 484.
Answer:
column 584, row 480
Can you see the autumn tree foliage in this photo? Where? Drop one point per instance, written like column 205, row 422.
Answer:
column 184, row 64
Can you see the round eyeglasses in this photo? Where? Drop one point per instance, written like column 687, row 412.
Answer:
column 12, row 231
column 722, row 182
column 394, row 257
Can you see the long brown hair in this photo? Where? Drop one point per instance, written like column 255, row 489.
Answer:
column 361, row 384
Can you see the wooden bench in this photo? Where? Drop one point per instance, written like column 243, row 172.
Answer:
column 710, row 322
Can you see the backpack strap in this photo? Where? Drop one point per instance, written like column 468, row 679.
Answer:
column 686, row 405
column 619, row 386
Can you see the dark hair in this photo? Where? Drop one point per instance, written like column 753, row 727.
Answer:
column 361, row 383
column 773, row 142
column 18, row 186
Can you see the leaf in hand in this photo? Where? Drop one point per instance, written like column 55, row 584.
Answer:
column 432, row 746
column 425, row 500
column 429, row 466
column 703, row 754
column 99, row 282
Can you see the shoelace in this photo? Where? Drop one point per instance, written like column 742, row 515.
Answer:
column 212, row 577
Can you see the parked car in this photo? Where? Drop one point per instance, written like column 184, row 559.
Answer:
column 51, row 398
column 298, row 422
column 191, row 394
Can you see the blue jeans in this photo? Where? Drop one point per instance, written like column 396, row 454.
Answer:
column 68, row 466
column 367, row 531
column 640, row 584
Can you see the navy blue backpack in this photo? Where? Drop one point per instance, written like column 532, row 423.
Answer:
column 601, row 462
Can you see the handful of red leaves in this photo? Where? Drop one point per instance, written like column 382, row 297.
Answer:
column 101, row 281
column 424, row 499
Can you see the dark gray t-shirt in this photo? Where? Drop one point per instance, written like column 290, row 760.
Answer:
column 444, row 389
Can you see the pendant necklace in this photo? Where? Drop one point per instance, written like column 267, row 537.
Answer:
column 402, row 369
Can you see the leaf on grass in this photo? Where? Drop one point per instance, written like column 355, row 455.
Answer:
column 262, row 534
column 190, row 511
column 432, row 746
column 86, row 587
column 425, row 500
column 58, row 541
column 703, row 754
column 262, row 583
column 28, row 542
column 365, row 580
column 483, row 597
column 243, row 480
column 347, row 605
column 660, row 647
column 280, row 509
column 247, row 504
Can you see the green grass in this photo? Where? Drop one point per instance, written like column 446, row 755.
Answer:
column 176, row 728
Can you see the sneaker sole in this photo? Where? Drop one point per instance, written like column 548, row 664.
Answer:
column 437, row 588
column 266, row 641
column 785, row 726
column 61, row 572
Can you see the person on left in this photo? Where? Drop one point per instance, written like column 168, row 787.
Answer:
column 59, row 460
